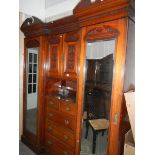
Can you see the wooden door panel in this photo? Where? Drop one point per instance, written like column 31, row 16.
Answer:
column 55, row 55
column 71, row 51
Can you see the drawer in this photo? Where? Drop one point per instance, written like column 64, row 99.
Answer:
column 56, row 147
column 68, row 107
column 52, row 102
column 61, row 133
column 61, row 119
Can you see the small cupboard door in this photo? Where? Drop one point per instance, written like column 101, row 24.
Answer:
column 71, row 48
column 55, row 48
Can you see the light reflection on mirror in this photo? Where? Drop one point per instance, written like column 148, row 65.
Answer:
column 32, row 90
column 97, row 96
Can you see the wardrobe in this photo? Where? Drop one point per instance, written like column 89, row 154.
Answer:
column 54, row 67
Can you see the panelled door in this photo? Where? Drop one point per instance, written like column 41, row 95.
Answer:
column 71, row 50
column 55, row 50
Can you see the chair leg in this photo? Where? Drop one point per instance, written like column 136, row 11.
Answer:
column 94, row 141
column 87, row 129
column 103, row 132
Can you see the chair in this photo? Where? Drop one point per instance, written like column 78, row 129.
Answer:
column 95, row 100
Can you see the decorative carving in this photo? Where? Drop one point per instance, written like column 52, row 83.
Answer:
column 31, row 21
column 53, row 57
column 32, row 43
column 101, row 33
column 54, row 39
column 33, row 27
column 71, row 57
column 72, row 36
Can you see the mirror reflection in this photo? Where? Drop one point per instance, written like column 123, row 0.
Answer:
column 97, row 97
column 32, row 90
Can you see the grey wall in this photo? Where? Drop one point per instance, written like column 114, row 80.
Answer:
column 129, row 81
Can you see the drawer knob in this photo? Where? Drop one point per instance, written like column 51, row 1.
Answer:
column 65, row 138
column 50, row 114
column 67, row 108
column 66, row 122
column 66, row 153
column 49, row 142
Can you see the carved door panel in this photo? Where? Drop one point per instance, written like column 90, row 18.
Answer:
column 71, row 52
column 55, row 45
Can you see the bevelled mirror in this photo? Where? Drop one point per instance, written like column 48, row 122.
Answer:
column 99, row 63
column 32, row 90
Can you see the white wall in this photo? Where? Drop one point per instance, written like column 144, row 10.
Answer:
column 33, row 8
column 40, row 8
column 60, row 10
column 22, row 18
column 100, row 49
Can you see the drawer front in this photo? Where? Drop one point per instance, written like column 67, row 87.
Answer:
column 61, row 119
column 53, row 102
column 68, row 107
column 54, row 146
column 62, row 134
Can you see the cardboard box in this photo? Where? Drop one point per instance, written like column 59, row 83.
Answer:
column 129, row 146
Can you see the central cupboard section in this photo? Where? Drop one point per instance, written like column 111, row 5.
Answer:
column 61, row 95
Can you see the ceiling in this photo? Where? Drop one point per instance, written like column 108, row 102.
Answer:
column 49, row 3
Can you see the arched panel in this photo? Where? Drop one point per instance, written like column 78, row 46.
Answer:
column 101, row 33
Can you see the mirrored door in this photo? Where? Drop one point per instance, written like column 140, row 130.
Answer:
column 97, row 96
column 32, row 90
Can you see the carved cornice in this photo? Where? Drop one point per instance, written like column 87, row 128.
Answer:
column 84, row 14
column 101, row 33
column 86, row 6
column 33, row 26
column 100, row 11
column 31, row 21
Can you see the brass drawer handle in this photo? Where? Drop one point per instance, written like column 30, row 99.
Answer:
column 49, row 142
column 66, row 153
column 51, row 103
column 50, row 114
column 66, row 122
column 67, row 108
column 65, row 138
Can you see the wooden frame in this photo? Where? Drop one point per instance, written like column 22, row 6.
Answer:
column 117, row 84
column 87, row 16
column 35, row 142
